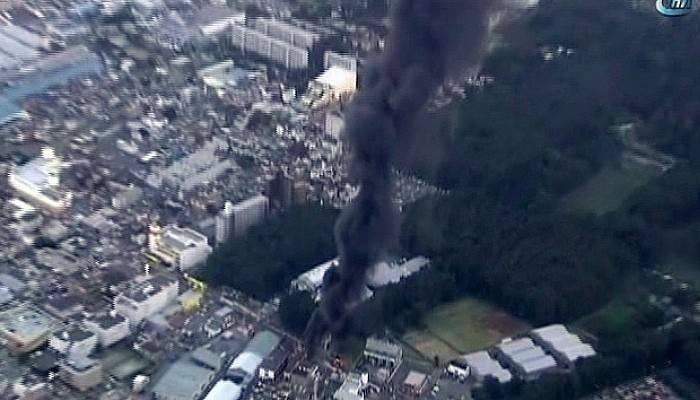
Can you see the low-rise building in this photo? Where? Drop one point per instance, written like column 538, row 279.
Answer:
column 524, row 357
column 182, row 248
column 143, row 299
column 566, row 347
column 188, row 377
column 81, row 373
column 25, row 328
column 38, row 182
column 482, row 365
column 274, row 364
column 73, row 342
column 383, row 352
column 458, row 368
column 109, row 328
column 415, row 383
column 353, row 388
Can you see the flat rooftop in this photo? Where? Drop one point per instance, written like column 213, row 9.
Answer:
column 26, row 322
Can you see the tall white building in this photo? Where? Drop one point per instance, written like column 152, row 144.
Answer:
column 224, row 223
column 109, row 328
column 183, row 248
column 146, row 298
column 38, row 182
column 235, row 219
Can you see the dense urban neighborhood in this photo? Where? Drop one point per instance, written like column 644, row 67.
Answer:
column 173, row 171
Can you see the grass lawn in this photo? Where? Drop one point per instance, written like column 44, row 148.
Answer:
column 614, row 318
column 608, row 189
column 429, row 346
column 462, row 327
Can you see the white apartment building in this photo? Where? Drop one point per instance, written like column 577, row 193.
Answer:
column 235, row 219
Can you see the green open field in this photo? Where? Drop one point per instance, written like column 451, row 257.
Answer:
column 614, row 318
column 463, row 326
column 608, row 189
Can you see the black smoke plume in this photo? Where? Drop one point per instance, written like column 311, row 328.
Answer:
column 429, row 42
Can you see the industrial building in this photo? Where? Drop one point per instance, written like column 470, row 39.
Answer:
column 182, row 248
column 188, row 377
column 81, row 373
column 245, row 367
column 109, row 328
column 224, row 389
column 25, row 328
column 235, row 219
column 38, row 182
column 312, row 280
column 566, row 347
column 73, row 342
column 385, row 273
column 524, row 357
column 143, row 299
column 382, row 274
column 481, row 365
column 260, row 347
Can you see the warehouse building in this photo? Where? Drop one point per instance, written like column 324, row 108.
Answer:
column 481, row 365
column 524, row 357
column 566, row 347
column 188, row 377
column 246, row 367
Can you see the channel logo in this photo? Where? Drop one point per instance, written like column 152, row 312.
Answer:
column 674, row 8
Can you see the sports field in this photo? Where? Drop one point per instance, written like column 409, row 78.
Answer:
column 461, row 327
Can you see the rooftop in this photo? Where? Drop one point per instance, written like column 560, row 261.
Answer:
column 183, row 380
column 375, row 345
column 482, row 363
column 224, row 390
column 26, row 323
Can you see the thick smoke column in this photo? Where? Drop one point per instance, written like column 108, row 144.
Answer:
column 430, row 41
